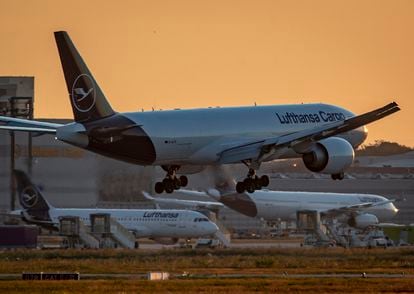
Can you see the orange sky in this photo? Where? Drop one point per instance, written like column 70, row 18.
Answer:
column 184, row 54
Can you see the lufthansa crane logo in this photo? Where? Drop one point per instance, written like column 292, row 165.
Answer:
column 83, row 93
column 29, row 197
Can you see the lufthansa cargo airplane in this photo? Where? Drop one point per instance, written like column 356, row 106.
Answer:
column 323, row 135
column 157, row 224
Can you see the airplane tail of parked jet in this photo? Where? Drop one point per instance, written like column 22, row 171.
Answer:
column 31, row 199
column 87, row 99
column 224, row 182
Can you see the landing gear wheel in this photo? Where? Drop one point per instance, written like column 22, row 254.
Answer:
column 169, row 186
column 257, row 184
column 240, row 188
column 177, row 183
column 249, row 184
column 159, row 187
column 183, row 181
column 250, row 188
column 264, row 180
column 339, row 176
column 171, row 182
column 252, row 182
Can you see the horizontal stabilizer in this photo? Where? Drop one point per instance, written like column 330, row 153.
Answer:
column 196, row 204
column 25, row 125
column 28, row 129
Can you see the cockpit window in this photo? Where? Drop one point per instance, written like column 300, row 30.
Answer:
column 364, row 199
column 200, row 219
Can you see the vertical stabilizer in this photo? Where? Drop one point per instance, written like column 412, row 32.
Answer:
column 87, row 100
column 31, row 199
column 223, row 180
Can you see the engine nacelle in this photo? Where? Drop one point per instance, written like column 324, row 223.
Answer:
column 363, row 221
column 166, row 241
column 330, row 156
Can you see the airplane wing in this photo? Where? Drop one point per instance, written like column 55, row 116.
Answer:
column 25, row 125
column 350, row 209
column 188, row 203
column 300, row 140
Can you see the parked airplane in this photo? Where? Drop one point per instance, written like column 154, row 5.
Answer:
column 189, row 204
column 151, row 223
column 358, row 210
column 323, row 135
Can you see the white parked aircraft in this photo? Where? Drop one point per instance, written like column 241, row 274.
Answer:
column 358, row 210
column 323, row 135
column 188, row 204
column 151, row 223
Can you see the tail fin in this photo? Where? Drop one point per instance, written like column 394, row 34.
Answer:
column 87, row 100
column 225, row 192
column 223, row 180
column 31, row 199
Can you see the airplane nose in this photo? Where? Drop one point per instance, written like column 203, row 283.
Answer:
column 394, row 209
column 212, row 228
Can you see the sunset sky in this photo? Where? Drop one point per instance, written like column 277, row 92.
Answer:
column 185, row 54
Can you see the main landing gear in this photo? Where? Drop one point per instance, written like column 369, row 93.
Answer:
column 171, row 182
column 339, row 176
column 252, row 182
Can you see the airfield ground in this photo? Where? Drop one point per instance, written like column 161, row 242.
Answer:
column 216, row 285
column 224, row 270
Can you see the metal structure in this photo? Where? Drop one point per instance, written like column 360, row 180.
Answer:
column 17, row 100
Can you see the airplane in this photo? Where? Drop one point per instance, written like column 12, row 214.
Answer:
column 325, row 136
column 189, row 204
column 358, row 210
column 162, row 225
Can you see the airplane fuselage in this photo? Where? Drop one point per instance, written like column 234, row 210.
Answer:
column 283, row 205
column 198, row 136
column 148, row 223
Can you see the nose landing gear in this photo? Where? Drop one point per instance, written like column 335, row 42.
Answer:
column 171, row 182
column 252, row 182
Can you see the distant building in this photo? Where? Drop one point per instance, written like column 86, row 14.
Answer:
column 16, row 96
column 16, row 100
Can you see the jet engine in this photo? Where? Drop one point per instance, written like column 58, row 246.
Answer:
column 363, row 221
column 166, row 241
column 329, row 156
